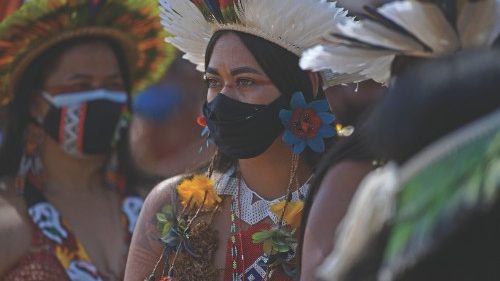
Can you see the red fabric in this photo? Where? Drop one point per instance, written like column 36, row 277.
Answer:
column 38, row 265
column 251, row 253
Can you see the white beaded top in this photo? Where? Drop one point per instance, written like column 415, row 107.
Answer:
column 253, row 207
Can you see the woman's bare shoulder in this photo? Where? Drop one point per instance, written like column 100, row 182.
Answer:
column 15, row 231
column 146, row 247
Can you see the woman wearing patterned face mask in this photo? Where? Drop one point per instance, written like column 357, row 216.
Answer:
column 67, row 71
column 267, row 118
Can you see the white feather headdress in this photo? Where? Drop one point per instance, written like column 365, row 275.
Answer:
column 295, row 25
column 365, row 49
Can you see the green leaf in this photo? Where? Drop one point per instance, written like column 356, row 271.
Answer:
column 166, row 229
column 492, row 180
column 261, row 236
column 399, row 236
column 280, row 242
column 168, row 212
column 281, row 248
column 161, row 217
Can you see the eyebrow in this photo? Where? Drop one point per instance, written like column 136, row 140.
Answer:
column 236, row 71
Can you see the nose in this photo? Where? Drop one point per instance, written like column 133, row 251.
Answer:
column 230, row 91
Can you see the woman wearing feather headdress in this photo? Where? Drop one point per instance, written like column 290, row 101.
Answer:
column 67, row 71
column 267, row 119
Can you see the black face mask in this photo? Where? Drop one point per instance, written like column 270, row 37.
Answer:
column 241, row 130
column 86, row 128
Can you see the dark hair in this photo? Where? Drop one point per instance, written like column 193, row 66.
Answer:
column 31, row 82
column 282, row 67
column 433, row 99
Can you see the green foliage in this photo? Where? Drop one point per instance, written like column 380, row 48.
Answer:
column 465, row 179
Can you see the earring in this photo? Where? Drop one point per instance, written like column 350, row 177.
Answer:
column 31, row 166
column 205, row 133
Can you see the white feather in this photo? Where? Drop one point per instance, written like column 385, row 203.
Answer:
column 293, row 24
column 478, row 26
column 426, row 21
column 475, row 23
column 495, row 31
column 365, row 64
column 191, row 32
column 378, row 35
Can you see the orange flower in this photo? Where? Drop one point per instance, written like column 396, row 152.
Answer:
column 293, row 212
column 194, row 190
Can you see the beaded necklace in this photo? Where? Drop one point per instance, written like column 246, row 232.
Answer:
column 237, row 254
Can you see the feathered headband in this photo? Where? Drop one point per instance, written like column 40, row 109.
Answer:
column 365, row 49
column 292, row 24
column 38, row 25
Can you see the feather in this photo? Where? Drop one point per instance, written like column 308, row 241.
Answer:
column 450, row 8
column 476, row 22
column 366, row 64
column 388, row 23
column 407, row 28
column 342, row 40
column 214, row 8
column 376, row 34
column 294, row 29
column 416, row 204
column 183, row 19
column 331, row 79
column 426, row 22
column 495, row 31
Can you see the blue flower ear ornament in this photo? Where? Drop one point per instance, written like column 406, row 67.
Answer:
column 307, row 124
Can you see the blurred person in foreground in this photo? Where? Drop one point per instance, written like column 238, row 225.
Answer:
column 431, row 213
column 381, row 46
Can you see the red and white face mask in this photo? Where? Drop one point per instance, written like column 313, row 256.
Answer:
column 87, row 122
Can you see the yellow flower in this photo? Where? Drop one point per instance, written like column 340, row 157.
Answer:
column 293, row 212
column 194, row 190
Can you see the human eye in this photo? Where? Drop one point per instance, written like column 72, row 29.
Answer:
column 212, row 83
column 245, row 82
column 80, row 86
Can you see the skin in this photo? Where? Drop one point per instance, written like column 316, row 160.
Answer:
column 333, row 198
column 347, row 102
column 234, row 72
column 341, row 181
column 75, row 186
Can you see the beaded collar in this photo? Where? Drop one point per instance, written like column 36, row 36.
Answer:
column 254, row 208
